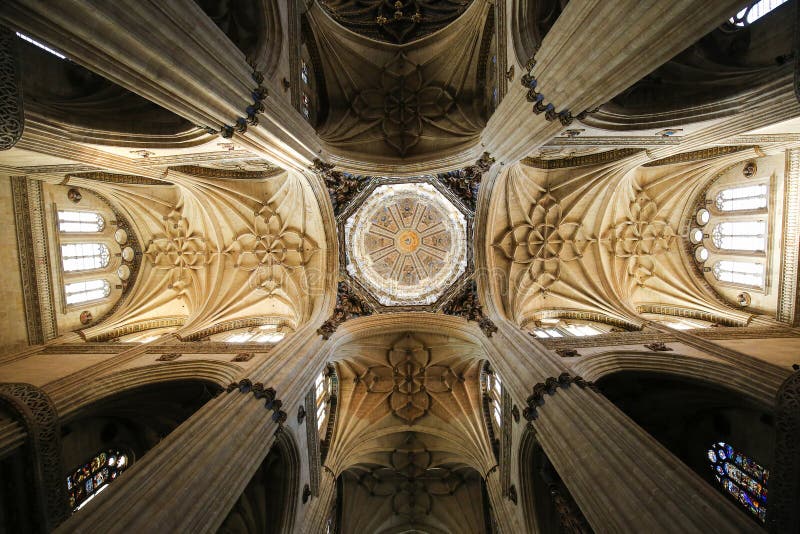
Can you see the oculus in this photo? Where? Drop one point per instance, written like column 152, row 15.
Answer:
column 406, row 244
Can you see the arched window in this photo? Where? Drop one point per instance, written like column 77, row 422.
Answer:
column 754, row 12
column 89, row 479
column 84, row 256
column 85, row 291
column 741, row 477
column 322, row 392
column 494, row 388
column 80, row 222
column 740, row 235
column 740, row 272
column 750, row 197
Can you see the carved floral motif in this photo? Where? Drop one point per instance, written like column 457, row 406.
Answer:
column 409, row 378
column 270, row 250
column 180, row 250
column 542, row 242
column 403, row 104
column 640, row 237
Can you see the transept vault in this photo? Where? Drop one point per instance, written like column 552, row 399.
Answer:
column 394, row 267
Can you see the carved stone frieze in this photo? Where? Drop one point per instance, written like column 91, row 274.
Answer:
column 38, row 413
column 312, row 439
column 349, row 305
column 107, row 177
column 658, row 346
column 697, row 155
column 466, row 304
column 598, row 158
column 12, row 115
column 238, row 170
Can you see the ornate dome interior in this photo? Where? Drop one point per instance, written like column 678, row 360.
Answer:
column 399, row 266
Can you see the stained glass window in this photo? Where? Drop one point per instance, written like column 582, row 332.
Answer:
column 749, row 197
column 755, row 11
column 80, row 222
column 89, row 479
column 84, row 256
column 86, row 291
column 740, row 235
column 740, row 272
column 740, row 476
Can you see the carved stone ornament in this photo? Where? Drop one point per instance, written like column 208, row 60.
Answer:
column 306, row 493
column 512, row 494
column 395, row 21
column 244, row 357
column 258, row 94
column 658, row 346
column 549, row 387
column 74, row 195
column 38, row 414
column 465, row 182
column 342, row 186
column 750, row 169
column 271, row 401
column 567, row 353
column 12, row 116
column 301, row 414
column 168, row 357
column 539, row 105
column 86, row 317
column 467, row 305
column 349, row 305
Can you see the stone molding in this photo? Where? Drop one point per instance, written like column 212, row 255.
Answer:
column 33, row 257
column 784, row 485
column 12, row 115
column 38, row 413
column 312, row 439
column 608, row 156
column 787, row 291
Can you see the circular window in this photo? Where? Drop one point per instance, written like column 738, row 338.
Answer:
column 124, row 272
column 703, row 216
column 696, row 236
column 127, row 254
column 121, row 236
column 701, row 254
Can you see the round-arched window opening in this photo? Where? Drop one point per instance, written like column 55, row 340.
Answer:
column 696, row 236
column 703, row 216
column 701, row 254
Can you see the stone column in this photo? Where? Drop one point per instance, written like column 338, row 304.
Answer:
column 622, row 479
column 174, row 55
column 585, row 61
column 190, row 480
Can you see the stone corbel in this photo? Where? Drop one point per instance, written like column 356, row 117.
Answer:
column 349, row 305
column 540, row 105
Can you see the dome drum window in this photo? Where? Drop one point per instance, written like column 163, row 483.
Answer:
column 739, row 272
column 747, row 198
column 740, row 235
